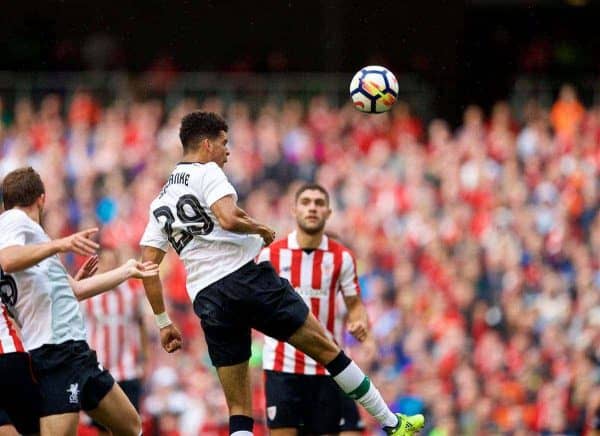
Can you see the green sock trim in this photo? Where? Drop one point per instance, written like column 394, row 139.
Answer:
column 361, row 390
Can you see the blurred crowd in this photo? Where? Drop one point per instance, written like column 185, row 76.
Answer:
column 477, row 247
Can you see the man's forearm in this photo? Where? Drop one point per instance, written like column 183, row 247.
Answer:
column 153, row 288
column 100, row 283
column 358, row 312
column 241, row 222
column 20, row 257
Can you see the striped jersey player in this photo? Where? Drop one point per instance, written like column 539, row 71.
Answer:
column 10, row 342
column 113, row 322
column 317, row 275
column 322, row 271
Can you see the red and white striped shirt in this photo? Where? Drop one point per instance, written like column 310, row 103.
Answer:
column 10, row 342
column 113, row 324
column 317, row 276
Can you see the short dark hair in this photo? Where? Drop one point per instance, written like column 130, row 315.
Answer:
column 198, row 125
column 310, row 187
column 21, row 187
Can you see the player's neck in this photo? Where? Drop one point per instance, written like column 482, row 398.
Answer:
column 307, row 241
column 197, row 157
column 31, row 211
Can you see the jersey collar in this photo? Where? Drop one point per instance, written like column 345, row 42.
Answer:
column 292, row 242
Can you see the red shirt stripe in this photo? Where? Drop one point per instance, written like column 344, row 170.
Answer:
column 12, row 341
column 330, row 272
column 113, row 324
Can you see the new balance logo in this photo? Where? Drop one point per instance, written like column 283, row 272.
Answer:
column 74, row 391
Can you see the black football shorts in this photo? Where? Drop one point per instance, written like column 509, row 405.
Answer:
column 254, row 296
column 19, row 393
column 351, row 419
column 70, row 377
column 310, row 403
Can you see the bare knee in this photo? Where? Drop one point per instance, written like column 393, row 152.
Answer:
column 311, row 339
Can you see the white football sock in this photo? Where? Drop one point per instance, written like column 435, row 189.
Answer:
column 357, row 386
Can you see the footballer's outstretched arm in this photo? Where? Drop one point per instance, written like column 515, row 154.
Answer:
column 19, row 257
column 97, row 284
column 231, row 217
column 170, row 337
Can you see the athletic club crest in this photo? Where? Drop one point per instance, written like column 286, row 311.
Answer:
column 271, row 412
column 74, row 393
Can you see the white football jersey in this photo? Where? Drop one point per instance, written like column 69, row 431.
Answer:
column 181, row 216
column 41, row 300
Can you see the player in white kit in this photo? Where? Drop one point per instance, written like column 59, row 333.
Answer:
column 44, row 303
column 197, row 214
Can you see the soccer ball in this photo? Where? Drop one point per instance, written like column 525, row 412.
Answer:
column 374, row 89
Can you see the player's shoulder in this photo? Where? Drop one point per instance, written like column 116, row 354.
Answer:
column 337, row 246
column 278, row 244
column 14, row 216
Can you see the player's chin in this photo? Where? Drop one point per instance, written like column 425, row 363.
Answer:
column 312, row 227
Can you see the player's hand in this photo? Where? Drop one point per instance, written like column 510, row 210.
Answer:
column 79, row 243
column 358, row 329
column 170, row 338
column 88, row 269
column 267, row 233
column 139, row 270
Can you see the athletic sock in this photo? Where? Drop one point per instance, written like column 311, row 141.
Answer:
column 357, row 386
column 240, row 425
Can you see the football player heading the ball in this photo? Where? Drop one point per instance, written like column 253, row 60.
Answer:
column 196, row 212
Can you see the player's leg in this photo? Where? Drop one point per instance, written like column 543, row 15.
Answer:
column 6, row 427
column 227, row 336
column 311, row 339
column 132, row 389
column 116, row 413
column 235, row 380
column 8, row 430
column 281, row 313
column 64, row 424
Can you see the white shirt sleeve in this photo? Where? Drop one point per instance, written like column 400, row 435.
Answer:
column 348, row 276
column 215, row 184
column 13, row 230
column 155, row 235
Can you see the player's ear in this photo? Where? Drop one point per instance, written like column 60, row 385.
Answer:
column 41, row 200
column 204, row 142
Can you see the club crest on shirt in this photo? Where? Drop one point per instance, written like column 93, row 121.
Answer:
column 272, row 412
